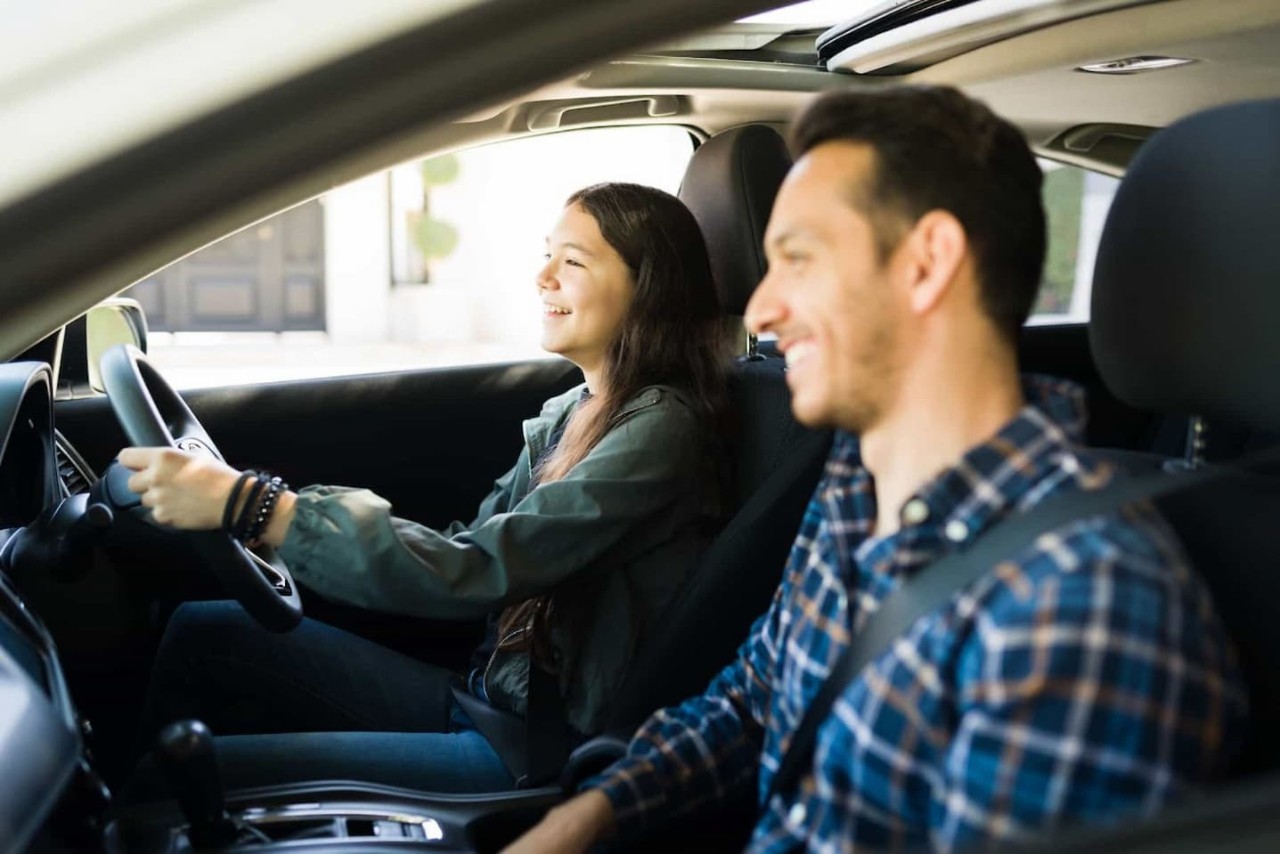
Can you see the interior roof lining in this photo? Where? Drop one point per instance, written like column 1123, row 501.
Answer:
column 1011, row 75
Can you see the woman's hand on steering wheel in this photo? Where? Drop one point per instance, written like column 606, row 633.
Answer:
column 189, row 490
column 186, row 491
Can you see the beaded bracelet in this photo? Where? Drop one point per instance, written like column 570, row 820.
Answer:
column 249, row 507
column 274, row 488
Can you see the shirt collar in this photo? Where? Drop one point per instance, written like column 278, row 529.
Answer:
column 994, row 477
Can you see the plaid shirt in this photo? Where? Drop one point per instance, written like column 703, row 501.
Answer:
column 1082, row 679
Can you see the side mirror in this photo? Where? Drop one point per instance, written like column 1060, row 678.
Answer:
column 119, row 320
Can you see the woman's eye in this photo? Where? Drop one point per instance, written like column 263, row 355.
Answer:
column 572, row 263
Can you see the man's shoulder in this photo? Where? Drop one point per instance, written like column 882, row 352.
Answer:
column 1128, row 558
column 1037, row 477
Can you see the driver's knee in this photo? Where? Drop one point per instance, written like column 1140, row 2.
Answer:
column 198, row 628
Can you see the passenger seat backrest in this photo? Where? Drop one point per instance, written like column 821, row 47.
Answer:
column 1185, row 308
column 729, row 186
column 742, row 568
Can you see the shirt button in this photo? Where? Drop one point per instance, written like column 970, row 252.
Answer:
column 956, row 531
column 796, row 815
column 914, row 512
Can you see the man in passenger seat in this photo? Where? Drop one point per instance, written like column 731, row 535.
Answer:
column 1084, row 679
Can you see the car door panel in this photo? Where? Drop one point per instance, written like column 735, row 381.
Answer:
column 431, row 442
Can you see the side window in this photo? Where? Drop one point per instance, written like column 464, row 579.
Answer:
column 428, row 264
column 1076, row 202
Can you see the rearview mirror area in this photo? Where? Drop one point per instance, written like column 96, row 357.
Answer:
column 115, row 321
column 82, row 342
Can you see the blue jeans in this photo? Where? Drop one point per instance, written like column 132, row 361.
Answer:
column 316, row 703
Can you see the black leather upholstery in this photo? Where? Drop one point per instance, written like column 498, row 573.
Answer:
column 1185, row 296
column 1184, row 307
column 730, row 185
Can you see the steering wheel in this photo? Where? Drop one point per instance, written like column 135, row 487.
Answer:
column 153, row 415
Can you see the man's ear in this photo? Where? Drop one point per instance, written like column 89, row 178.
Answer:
column 937, row 247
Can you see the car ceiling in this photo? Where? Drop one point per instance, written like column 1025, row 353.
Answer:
column 305, row 144
column 92, row 233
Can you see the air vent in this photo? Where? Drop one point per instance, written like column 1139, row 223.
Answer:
column 73, row 471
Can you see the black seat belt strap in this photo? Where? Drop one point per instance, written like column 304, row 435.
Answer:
column 936, row 584
column 546, row 742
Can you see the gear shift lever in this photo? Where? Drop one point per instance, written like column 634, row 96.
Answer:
column 184, row 752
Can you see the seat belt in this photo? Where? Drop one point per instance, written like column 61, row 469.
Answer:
column 546, row 729
column 534, row 748
column 934, row 586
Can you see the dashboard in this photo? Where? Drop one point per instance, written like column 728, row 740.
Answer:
column 28, row 466
column 40, row 743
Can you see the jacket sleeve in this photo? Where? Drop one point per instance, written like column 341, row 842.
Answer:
column 346, row 544
column 497, row 501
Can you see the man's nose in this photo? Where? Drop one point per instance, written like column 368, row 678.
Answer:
column 764, row 309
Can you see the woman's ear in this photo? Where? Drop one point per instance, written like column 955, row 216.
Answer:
column 936, row 250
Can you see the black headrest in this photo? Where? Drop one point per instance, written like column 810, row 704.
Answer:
column 1186, row 291
column 729, row 185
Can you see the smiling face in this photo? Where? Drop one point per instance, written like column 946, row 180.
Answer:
column 586, row 290
column 828, row 295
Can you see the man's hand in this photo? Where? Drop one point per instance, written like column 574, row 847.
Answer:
column 572, row 827
column 183, row 490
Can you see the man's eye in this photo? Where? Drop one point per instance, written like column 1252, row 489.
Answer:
column 795, row 258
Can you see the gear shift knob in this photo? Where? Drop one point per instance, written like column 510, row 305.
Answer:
column 184, row 752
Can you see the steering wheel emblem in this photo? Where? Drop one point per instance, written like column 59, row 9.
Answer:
column 194, row 446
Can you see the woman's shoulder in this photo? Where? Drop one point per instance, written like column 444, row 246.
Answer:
column 658, row 396
column 667, row 400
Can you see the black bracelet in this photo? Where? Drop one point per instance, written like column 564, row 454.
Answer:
column 250, row 507
column 229, row 512
column 275, row 487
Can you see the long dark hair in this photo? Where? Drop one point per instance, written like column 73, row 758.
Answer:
column 672, row 334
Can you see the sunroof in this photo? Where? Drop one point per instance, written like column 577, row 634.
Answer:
column 816, row 13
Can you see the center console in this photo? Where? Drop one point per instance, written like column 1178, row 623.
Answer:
column 339, row 816
column 320, row 816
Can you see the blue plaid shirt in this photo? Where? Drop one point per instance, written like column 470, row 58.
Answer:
column 1086, row 678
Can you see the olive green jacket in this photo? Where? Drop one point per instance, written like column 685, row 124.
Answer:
column 613, row 541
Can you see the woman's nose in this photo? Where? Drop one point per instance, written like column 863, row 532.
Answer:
column 546, row 280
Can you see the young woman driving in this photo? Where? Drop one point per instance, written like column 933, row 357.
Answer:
column 577, row 549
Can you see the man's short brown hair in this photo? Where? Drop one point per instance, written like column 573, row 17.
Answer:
column 937, row 149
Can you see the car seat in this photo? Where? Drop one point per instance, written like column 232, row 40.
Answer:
column 729, row 186
column 1184, row 316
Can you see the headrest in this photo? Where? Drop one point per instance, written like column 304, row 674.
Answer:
column 1186, row 290
column 729, row 186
